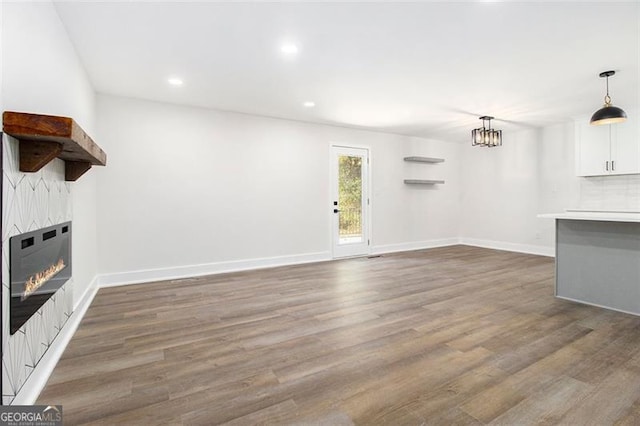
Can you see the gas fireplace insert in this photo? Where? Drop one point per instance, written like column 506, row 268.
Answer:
column 40, row 263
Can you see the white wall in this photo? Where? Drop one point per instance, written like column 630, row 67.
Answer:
column 192, row 191
column 41, row 73
column 558, row 185
column 499, row 190
column 188, row 186
column 504, row 189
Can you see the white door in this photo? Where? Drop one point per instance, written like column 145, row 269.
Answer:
column 350, row 201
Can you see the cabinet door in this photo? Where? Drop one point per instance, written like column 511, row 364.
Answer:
column 593, row 149
column 625, row 145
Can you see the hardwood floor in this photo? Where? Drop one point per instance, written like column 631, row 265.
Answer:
column 456, row 335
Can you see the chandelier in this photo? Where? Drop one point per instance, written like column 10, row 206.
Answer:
column 485, row 135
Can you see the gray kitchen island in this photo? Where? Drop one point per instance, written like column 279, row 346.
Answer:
column 598, row 258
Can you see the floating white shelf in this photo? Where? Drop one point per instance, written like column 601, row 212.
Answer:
column 422, row 182
column 424, row 159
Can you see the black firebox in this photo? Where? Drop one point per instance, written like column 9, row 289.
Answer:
column 40, row 265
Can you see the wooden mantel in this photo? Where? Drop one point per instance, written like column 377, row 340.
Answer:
column 45, row 137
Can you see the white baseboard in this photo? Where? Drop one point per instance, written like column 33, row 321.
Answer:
column 502, row 245
column 34, row 384
column 189, row 271
column 89, row 292
column 416, row 245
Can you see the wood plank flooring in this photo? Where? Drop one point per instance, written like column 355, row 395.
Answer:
column 455, row 335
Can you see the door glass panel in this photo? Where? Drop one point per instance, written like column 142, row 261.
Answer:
column 350, row 199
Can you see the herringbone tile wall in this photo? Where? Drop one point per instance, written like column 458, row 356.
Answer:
column 30, row 201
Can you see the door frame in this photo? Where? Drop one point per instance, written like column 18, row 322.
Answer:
column 367, row 215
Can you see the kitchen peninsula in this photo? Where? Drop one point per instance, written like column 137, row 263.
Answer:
column 598, row 258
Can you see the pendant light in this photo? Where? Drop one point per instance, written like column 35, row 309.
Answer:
column 485, row 135
column 608, row 114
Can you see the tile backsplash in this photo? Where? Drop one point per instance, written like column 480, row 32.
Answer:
column 610, row 192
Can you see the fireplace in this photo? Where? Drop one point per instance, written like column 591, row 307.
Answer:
column 40, row 263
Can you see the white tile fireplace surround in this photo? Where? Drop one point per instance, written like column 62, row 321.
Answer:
column 30, row 201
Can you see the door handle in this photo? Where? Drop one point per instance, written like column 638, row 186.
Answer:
column 606, row 166
column 613, row 165
column 336, row 210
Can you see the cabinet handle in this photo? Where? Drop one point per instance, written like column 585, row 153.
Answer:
column 613, row 165
column 606, row 166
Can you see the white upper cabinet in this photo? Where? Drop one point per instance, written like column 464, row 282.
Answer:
column 593, row 148
column 625, row 146
column 610, row 149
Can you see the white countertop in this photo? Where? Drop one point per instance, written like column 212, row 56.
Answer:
column 597, row 215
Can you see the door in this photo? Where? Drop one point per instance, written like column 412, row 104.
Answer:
column 350, row 201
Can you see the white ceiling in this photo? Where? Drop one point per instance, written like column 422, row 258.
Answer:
column 423, row 69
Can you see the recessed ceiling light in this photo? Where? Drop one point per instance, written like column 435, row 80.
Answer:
column 175, row 81
column 289, row 49
column 308, row 104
